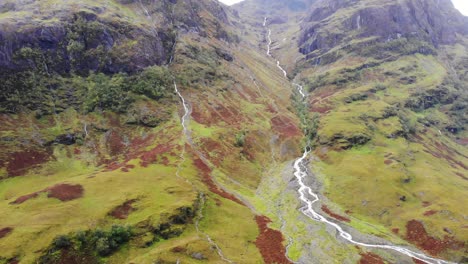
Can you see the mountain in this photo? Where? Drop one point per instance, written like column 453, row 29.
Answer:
column 388, row 79
column 139, row 131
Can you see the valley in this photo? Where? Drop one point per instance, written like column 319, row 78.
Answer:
column 172, row 132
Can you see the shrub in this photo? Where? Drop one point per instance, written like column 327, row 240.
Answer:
column 106, row 92
column 240, row 139
column 154, row 82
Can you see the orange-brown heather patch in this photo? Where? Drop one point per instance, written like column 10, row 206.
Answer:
column 426, row 204
column 24, row 198
column 65, row 192
column 396, row 230
column 334, row 215
column 178, row 249
column 206, row 178
column 370, row 258
column 213, row 150
column 388, row 162
column 270, row 242
column 322, row 109
column 123, row 211
column 417, row 234
column 115, row 143
column 20, row 162
column 151, row 156
column 5, row 231
column 430, row 212
column 285, row 126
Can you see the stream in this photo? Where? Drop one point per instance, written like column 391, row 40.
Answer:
column 184, row 122
column 309, row 198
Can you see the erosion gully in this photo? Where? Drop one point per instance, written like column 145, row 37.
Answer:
column 309, row 198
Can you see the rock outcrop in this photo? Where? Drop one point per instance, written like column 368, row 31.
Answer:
column 432, row 22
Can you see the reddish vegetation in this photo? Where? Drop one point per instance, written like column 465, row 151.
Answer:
column 123, row 211
column 141, row 142
column 430, row 212
column 228, row 114
column 272, row 109
column 206, row 174
column 461, row 175
column 198, row 116
column 5, row 231
column 269, row 242
column 370, row 258
column 65, row 192
column 416, row 233
column 213, row 150
column 395, row 230
column 417, row 261
column 13, row 261
column 321, row 108
column 285, row 126
column 20, row 162
column 336, row 216
column 388, row 162
column 217, row 112
column 24, row 198
column 323, row 94
column 152, row 155
column 463, row 141
column 441, row 151
column 115, row 143
column 178, row 249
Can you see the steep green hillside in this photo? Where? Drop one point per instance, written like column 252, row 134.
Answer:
column 95, row 166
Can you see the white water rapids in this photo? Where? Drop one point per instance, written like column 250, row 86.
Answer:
column 309, row 198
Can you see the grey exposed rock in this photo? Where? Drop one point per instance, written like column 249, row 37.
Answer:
column 198, row 256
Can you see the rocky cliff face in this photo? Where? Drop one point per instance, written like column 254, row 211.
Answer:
column 332, row 23
column 81, row 41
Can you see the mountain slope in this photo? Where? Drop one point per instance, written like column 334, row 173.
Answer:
column 388, row 81
column 96, row 166
column 138, row 131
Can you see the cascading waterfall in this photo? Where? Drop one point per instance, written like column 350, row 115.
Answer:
column 184, row 122
column 306, row 193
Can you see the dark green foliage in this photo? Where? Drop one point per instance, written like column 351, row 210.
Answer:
column 356, row 97
column 423, row 100
column 316, row 82
column 106, row 92
column 87, row 244
column 62, row 242
column 201, row 66
column 240, row 139
column 185, row 215
column 309, row 121
column 154, row 82
column 409, row 126
column 377, row 88
column 347, row 75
